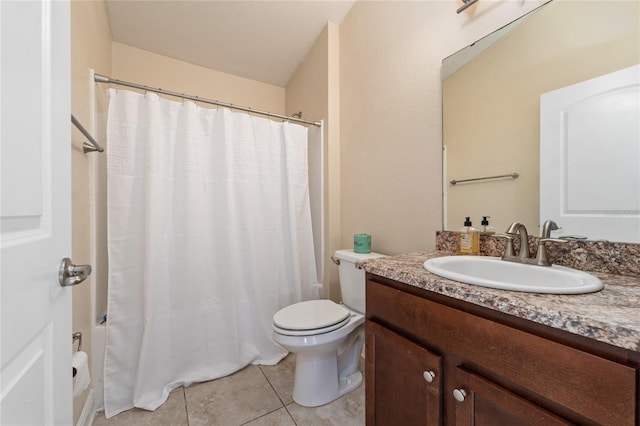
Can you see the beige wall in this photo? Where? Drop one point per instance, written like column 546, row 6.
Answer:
column 143, row 67
column 390, row 126
column 314, row 90
column 90, row 49
column 492, row 104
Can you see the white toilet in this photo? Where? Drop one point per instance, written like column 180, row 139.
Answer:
column 327, row 337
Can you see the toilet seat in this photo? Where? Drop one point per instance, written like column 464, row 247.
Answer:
column 310, row 318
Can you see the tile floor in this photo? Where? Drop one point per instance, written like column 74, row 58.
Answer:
column 254, row 396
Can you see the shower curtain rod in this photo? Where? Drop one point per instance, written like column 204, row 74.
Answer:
column 104, row 79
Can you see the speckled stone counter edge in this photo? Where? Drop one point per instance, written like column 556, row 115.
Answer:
column 610, row 315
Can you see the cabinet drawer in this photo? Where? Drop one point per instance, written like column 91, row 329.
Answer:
column 594, row 387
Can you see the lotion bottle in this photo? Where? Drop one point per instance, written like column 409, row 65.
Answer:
column 485, row 228
column 468, row 239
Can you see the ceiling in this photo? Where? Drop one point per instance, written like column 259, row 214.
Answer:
column 262, row 40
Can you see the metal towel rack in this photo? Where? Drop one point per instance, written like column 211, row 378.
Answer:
column 510, row 175
column 92, row 146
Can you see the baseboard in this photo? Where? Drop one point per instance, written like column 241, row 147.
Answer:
column 88, row 410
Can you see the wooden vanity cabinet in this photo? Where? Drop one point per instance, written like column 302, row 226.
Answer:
column 433, row 360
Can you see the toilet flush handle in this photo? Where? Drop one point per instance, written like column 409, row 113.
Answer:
column 336, row 261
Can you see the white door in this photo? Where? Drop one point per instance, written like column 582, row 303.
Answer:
column 35, row 226
column 590, row 157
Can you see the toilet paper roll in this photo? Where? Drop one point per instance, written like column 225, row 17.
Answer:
column 81, row 379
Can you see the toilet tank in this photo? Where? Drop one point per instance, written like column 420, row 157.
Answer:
column 352, row 280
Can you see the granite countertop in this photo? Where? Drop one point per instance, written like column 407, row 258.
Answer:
column 611, row 315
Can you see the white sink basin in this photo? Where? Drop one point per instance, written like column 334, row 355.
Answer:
column 496, row 273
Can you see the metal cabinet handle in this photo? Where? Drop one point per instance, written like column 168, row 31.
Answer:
column 429, row 376
column 70, row 274
column 459, row 395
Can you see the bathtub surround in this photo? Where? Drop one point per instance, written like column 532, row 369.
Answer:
column 209, row 235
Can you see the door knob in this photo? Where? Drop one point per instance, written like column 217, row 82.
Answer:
column 70, row 274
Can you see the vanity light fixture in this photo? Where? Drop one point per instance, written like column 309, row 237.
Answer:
column 466, row 4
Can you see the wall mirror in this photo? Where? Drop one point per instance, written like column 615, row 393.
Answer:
column 491, row 104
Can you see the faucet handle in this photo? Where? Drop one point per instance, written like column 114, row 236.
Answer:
column 547, row 227
column 541, row 256
column 509, row 237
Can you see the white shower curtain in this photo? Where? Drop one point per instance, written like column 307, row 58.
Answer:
column 209, row 233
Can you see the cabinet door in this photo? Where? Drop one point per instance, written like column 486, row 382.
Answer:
column 480, row 402
column 403, row 385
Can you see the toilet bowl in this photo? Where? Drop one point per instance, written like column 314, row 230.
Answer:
column 327, row 337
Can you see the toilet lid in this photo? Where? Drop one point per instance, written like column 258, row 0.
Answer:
column 309, row 333
column 311, row 315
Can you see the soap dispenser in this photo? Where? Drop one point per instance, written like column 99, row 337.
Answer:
column 468, row 239
column 485, row 228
